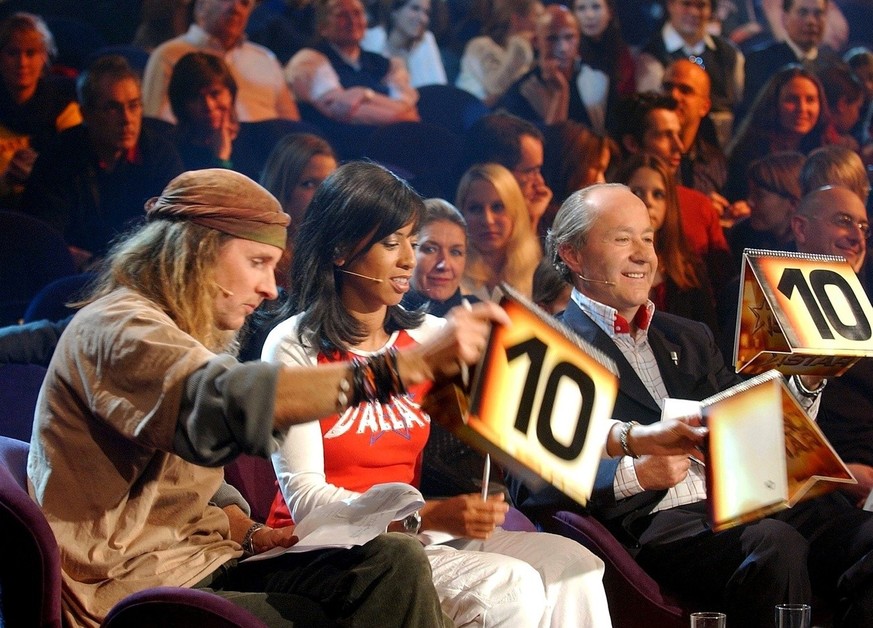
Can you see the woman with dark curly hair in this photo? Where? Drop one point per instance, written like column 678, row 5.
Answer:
column 789, row 113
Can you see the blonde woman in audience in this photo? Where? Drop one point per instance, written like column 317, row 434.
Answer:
column 440, row 260
column 503, row 246
column 503, row 53
column 403, row 33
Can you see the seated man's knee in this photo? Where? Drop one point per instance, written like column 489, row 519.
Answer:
column 776, row 545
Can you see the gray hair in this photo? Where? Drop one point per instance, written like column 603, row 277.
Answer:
column 436, row 209
column 573, row 222
column 835, row 165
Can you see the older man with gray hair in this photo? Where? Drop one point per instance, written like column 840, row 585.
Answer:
column 603, row 242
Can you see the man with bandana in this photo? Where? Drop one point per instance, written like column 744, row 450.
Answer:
column 144, row 402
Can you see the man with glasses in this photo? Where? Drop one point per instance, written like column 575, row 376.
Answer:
column 804, row 23
column 833, row 221
column 602, row 242
column 685, row 36
column 515, row 144
column 92, row 184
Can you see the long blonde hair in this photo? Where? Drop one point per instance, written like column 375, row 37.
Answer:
column 522, row 253
column 172, row 264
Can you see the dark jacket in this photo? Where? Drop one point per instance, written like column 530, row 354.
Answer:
column 698, row 372
column 89, row 205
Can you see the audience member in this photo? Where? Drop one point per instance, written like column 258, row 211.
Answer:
column 448, row 465
column 774, row 192
column 92, row 183
column 832, row 221
column 804, row 23
column 836, row 27
column 649, row 124
column 680, row 284
column 515, row 144
column 658, row 506
column 142, row 405
column 295, row 168
column 601, row 46
column 574, row 157
column 361, row 224
column 550, row 291
column 345, row 83
column 440, row 260
column 503, row 246
column 559, row 87
column 685, row 36
column 835, row 165
column 845, row 96
column 202, row 92
column 403, row 33
column 790, row 113
column 219, row 29
column 34, row 106
column 503, row 52
column 161, row 20
column 703, row 166
column 860, row 61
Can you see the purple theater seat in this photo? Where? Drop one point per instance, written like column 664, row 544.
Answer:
column 255, row 479
column 173, row 607
column 19, row 389
column 30, row 570
column 635, row 599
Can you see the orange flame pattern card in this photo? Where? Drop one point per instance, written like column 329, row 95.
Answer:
column 542, row 401
column 800, row 313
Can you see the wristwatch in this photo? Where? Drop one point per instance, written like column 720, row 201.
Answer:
column 412, row 523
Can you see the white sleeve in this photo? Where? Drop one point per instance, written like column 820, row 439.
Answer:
column 650, row 73
column 310, row 76
column 494, row 68
column 155, row 80
column 299, row 460
column 426, row 64
column 399, row 85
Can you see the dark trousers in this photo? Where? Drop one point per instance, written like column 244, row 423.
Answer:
column 823, row 545
column 386, row 582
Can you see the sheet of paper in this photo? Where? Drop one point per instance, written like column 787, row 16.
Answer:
column 352, row 522
column 673, row 408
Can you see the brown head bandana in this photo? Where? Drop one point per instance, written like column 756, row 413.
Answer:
column 223, row 200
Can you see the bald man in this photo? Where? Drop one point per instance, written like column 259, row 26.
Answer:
column 833, row 221
column 703, row 165
column 560, row 87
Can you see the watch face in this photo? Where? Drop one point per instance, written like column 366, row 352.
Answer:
column 412, row 523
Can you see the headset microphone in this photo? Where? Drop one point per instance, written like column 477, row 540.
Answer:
column 348, row 272
column 224, row 290
column 603, row 281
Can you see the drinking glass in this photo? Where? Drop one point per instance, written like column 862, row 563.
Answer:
column 708, row 620
column 793, row 615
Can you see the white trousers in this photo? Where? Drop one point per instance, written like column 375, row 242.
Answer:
column 520, row 579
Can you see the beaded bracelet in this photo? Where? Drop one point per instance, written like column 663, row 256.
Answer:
column 373, row 379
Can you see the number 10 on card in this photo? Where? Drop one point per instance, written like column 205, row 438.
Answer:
column 544, row 399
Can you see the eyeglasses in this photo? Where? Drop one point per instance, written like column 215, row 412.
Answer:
column 846, row 222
